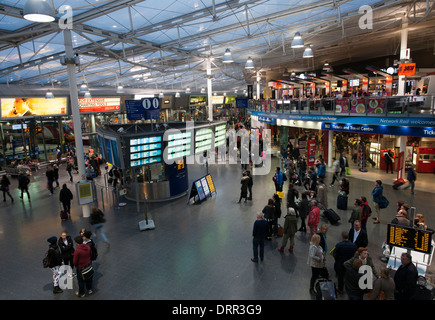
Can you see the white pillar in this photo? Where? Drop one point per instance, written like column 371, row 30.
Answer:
column 209, row 91
column 72, row 79
column 403, row 56
column 258, row 85
column 330, row 143
column 402, row 145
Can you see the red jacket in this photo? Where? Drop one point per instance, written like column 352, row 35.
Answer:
column 82, row 256
column 314, row 216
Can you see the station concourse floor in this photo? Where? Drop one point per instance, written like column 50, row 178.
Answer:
column 195, row 252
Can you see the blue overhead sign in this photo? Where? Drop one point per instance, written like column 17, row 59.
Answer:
column 377, row 121
column 391, row 130
column 145, row 109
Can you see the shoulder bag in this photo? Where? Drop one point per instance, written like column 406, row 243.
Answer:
column 87, row 272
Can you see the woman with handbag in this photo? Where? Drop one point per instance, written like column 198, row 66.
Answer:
column 380, row 201
column 383, row 287
column 4, row 186
column 83, row 263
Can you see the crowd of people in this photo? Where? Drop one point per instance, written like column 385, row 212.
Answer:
column 305, row 199
column 62, row 252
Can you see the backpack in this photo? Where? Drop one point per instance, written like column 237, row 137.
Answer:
column 284, row 177
column 46, row 260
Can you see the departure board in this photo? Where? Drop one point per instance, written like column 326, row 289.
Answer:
column 410, row 238
column 203, row 140
column 145, row 150
column 220, row 135
column 179, row 145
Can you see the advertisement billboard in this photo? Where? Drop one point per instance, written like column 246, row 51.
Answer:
column 101, row 104
column 30, row 107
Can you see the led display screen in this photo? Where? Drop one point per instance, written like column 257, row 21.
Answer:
column 410, row 238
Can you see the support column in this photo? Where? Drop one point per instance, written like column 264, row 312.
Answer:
column 403, row 55
column 330, row 144
column 72, row 79
column 209, row 91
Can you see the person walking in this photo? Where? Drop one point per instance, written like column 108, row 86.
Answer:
column 343, row 251
column 303, row 209
column 277, row 206
column 244, row 188
column 352, row 280
column 411, row 177
column 322, row 194
column 405, row 278
column 54, row 256
column 259, row 233
column 377, row 194
column 4, row 186
column 278, row 179
column 23, row 185
column 316, row 260
column 366, row 212
column 250, row 184
column 65, row 197
column 335, row 170
column 81, row 260
column 56, row 174
column 97, row 220
column 313, row 217
column 50, row 179
column 69, row 168
column 389, row 161
column 289, row 230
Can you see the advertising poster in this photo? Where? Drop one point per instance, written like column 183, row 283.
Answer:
column 30, row 107
column 358, row 106
column 341, row 106
column 376, row 106
column 311, row 152
column 103, row 104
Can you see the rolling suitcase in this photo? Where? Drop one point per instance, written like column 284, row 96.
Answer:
column 342, row 202
column 332, row 216
column 398, row 184
column 63, row 215
column 325, row 290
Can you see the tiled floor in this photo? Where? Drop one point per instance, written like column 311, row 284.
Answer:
column 196, row 252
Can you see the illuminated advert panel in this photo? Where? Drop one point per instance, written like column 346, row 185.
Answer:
column 103, row 104
column 30, row 107
column 145, row 150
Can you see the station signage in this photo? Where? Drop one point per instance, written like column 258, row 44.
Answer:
column 406, row 69
column 103, row 104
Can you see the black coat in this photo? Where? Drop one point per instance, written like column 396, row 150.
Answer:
column 65, row 195
column 405, row 279
column 362, row 239
column 67, row 250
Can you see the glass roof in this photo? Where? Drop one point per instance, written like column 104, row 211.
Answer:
column 164, row 45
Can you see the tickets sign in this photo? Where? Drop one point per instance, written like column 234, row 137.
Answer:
column 406, row 69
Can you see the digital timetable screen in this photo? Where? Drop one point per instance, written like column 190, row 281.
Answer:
column 410, row 238
column 203, row 140
column 145, row 150
column 220, row 135
column 179, row 145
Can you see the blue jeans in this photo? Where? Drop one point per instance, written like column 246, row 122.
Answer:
column 258, row 242
column 84, row 283
column 99, row 229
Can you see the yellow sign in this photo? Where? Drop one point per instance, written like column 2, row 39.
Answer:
column 85, row 190
column 28, row 107
column 210, row 183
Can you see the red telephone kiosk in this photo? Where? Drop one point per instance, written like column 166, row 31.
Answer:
column 426, row 160
column 383, row 164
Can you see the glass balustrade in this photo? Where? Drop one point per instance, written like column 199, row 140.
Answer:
column 403, row 106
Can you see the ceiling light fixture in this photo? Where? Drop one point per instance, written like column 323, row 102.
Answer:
column 88, row 95
column 297, row 41
column 177, row 95
column 249, row 64
column 308, row 53
column 161, row 95
column 228, row 58
column 38, row 11
column 49, row 95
